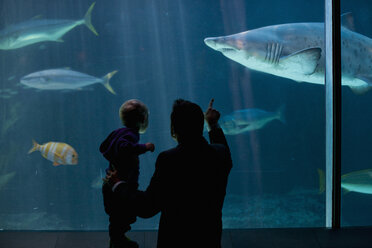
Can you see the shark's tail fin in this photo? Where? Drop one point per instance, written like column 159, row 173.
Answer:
column 106, row 81
column 88, row 19
column 35, row 146
column 280, row 113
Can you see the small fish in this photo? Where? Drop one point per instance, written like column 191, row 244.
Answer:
column 36, row 30
column 356, row 181
column 245, row 120
column 58, row 153
column 64, row 79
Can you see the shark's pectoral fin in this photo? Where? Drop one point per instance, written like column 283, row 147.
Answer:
column 302, row 62
column 361, row 89
column 366, row 78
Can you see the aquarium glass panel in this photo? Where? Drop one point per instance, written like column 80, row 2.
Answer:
column 356, row 172
column 66, row 67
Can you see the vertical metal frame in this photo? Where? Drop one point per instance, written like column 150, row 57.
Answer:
column 333, row 112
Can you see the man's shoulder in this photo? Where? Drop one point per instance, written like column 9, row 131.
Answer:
column 169, row 155
column 169, row 152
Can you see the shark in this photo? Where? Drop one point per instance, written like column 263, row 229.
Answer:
column 39, row 30
column 296, row 51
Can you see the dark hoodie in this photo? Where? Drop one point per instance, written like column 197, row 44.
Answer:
column 121, row 149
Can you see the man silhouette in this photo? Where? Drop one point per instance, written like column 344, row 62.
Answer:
column 188, row 186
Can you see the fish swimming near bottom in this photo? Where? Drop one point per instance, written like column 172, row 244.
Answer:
column 58, row 153
column 356, row 181
column 245, row 120
column 64, row 79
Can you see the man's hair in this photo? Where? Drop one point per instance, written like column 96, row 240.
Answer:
column 187, row 119
column 133, row 113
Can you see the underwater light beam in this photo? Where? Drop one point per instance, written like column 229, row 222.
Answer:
column 234, row 13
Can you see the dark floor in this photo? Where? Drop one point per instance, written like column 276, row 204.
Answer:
column 252, row 238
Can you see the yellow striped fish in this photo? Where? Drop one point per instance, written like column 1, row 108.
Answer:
column 58, row 153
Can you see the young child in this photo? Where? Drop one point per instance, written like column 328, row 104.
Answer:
column 121, row 149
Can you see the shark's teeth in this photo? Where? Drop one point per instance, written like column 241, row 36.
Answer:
column 226, row 50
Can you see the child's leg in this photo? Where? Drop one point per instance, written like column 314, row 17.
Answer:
column 117, row 230
column 120, row 218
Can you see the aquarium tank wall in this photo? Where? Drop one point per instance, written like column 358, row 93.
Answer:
column 67, row 66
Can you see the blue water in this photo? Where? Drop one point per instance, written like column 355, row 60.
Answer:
column 158, row 49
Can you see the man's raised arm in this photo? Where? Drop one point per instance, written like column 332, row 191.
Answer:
column 216, row 135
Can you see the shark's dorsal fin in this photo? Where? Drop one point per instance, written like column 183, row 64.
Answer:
column 304, row 61
column 347, row 21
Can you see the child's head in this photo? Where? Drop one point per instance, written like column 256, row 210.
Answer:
column 134, row 114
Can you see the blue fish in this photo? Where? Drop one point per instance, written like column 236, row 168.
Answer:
column 64, row 79
column 35, row 31
column 245, row 120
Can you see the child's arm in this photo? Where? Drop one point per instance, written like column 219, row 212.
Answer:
column 127, row 144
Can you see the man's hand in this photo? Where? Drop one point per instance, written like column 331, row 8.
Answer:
column 150, row 147
column 212, row 115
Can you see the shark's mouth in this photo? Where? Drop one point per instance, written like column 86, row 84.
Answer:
column 226, row 50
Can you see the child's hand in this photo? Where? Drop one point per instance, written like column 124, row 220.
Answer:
column 111, row 177
column 150, row 147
